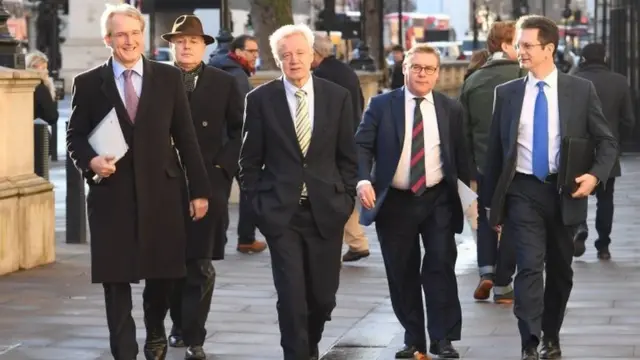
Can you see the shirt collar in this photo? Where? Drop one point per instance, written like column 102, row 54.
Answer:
column 409, row 97
column 551, row 80
column 290, row 88
column 118, row 68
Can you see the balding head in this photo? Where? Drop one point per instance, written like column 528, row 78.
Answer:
column 323, row 48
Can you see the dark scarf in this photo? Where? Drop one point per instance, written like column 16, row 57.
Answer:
column 189, row 77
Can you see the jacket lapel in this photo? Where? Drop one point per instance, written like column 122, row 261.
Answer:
column 202, row 85
column 442, row 116
column 397, row 113
column 515, row 103
column 564, row 103
column 283, row 114
column 320, row 105
column 110, row 90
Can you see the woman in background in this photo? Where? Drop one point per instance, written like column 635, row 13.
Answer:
column 478, row 58
column 44, row 103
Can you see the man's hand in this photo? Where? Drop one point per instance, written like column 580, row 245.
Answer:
column 103, row 166
column 199, row 208
column 474, row 186
column 367, row 196
column 497, row 228
column 586, row 184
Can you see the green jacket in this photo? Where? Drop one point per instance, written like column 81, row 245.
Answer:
column 477, row 100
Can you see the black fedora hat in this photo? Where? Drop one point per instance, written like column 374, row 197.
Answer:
column 188, row 25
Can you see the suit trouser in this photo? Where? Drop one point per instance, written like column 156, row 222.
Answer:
column 604, row 213
column 306, row 275
column 402, row 219
column 496, row 256
column 122, row 328
column 191, row 301
column 534, row 221
column 246, row 221
column 354, row 235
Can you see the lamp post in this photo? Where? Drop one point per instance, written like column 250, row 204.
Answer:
column 10, row 53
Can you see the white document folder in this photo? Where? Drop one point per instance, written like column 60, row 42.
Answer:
column 107, row 138
column 467, row 196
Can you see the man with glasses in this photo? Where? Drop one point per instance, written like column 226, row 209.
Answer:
column 241, row 63
column 415, row 137
column 530, row 118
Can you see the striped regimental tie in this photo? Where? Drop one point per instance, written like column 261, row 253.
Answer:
column 303, row 127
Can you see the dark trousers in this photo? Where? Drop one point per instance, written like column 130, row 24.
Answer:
column 191, row 302
column 122, row 328
column 494, row 258
column 402, row 219
column 246, row 222
column 306, row 274
column 604, row 213
column 534, row 221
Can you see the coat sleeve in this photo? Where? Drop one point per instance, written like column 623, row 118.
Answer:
column 227, row 158
column 366, row 138
column 252, row 149
column 184, row 136
column 79, row 129
column 467, row 132
column 462, row 159
column 600, row 131
column 346, row 155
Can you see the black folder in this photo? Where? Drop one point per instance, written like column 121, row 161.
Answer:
column 576, row 158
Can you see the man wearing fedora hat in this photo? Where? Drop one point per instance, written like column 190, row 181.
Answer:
column 216, row 109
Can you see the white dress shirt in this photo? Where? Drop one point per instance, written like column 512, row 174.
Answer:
column 136, row 77
column 525, row 130
column 290, row 90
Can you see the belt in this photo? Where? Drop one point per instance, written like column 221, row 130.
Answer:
column 550, row 179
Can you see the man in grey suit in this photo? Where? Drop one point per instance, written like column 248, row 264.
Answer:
column 613, row 90
column 531, row 116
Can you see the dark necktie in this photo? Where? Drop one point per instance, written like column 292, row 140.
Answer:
column 540, row 151
column 418, row 175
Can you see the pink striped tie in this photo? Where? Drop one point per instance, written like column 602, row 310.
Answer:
column 130, row 96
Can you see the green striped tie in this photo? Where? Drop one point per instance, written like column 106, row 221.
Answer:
column 303, row 127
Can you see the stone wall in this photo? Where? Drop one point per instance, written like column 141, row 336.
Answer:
column 27, row 237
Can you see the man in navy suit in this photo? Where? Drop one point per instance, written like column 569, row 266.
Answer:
column 416, row 139
column 531, row 118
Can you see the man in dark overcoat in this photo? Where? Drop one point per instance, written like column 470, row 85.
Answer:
column 135, row 206
column 216, row 110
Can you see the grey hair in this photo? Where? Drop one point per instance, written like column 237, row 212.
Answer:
column 286, row 31
column 122, row 9
column 322, row 45
column 35, row 57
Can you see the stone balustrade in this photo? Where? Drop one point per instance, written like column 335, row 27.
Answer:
column 27, row 227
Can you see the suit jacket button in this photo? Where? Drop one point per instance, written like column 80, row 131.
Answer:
column 305, row 165
column 205, row 123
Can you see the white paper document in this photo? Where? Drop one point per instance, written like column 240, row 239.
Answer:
column 467, row 196
column 107, row 138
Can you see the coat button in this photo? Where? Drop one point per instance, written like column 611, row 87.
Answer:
column 205, row 123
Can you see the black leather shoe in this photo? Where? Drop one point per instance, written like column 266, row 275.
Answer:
column 406, row 352
column 530, row 354
column 550, row 349
column 155, row 351
column 195, row 353
column 315, row 354
column 604, row 254
column 175, row 340
column 351, row 256
column 579, row 238
column 444, row 350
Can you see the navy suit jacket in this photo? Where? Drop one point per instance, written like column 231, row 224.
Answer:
column 380, row 137
column 580, row 116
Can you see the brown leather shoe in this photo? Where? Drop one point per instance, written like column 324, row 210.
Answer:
column 483, row 290
column 256, row 246
column 351, row 256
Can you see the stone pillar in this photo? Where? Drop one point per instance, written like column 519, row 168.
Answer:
column 84, row 48
column 27, row 225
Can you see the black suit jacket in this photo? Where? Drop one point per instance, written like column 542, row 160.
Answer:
column 580, row 115
column 216, row 109
column 273, row 169
column 136, row 215
column 380, row 139
column 342, row 74
column 615, row 95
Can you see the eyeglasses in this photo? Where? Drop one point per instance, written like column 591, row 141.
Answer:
column 429, row 70
column 528, row 47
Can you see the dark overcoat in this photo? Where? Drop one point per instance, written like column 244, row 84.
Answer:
column 136, row 215
column 216, row 108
